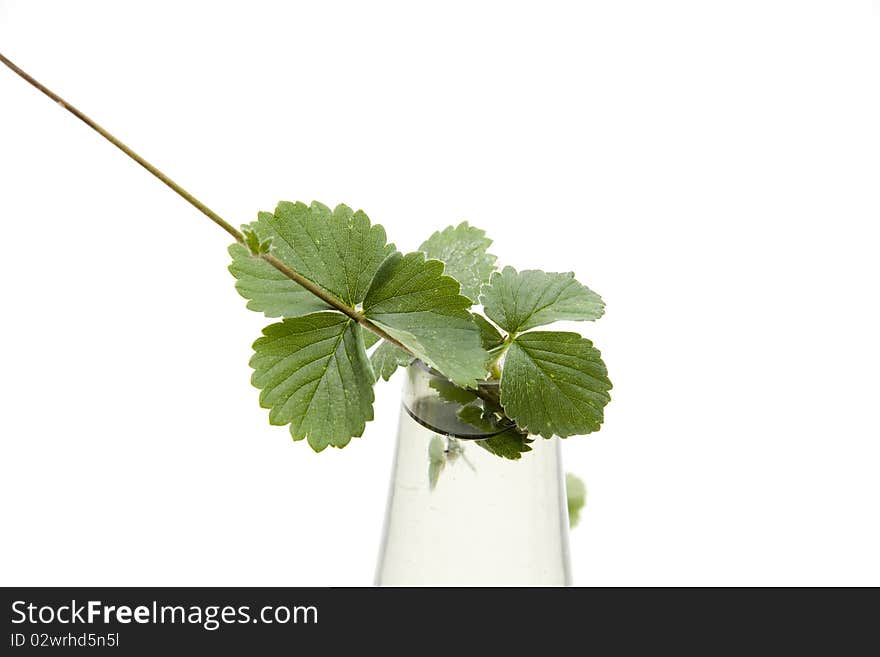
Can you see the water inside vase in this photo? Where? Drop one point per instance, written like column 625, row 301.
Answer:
column 458, row 514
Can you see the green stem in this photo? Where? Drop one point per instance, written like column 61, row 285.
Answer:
column 495, row 369
column 495, row 365
column 204, row 209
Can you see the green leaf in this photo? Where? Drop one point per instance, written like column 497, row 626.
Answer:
column 315, row 376
column 436, row 460
column 370, row 339
column 463, row 250
column 554, row 383
column 387, row 358
column 576, row 494
column 251, row 241
column 417, row 305
column 339, row 250
column 511, row 444
column 437, row 449
column 518, row 301
column 489, row 335
column 449, row 392
column 268, row 290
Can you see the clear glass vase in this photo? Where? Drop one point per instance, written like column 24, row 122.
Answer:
column 459, row 514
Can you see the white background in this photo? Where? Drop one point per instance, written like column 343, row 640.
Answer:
column 710, row 168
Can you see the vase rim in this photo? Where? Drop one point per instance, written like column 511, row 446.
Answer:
column 433, row 416
column 489, row 385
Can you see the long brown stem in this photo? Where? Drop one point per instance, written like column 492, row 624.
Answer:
column 192, row 200
column 204, row 209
